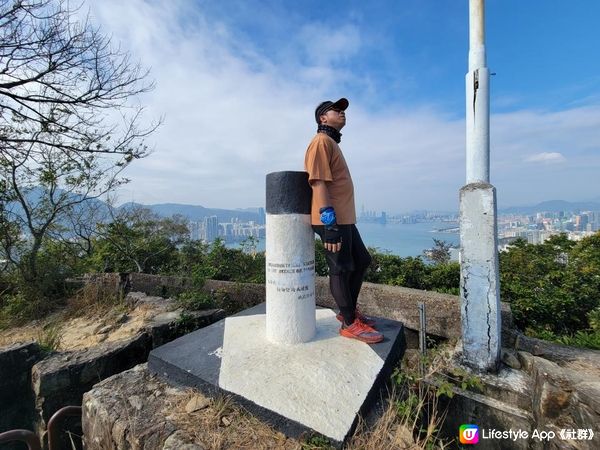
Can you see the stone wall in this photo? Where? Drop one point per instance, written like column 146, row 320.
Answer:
column 16, row 396
column 534, row 395
column 61, row 379
column 34, row 385
column 393, row 302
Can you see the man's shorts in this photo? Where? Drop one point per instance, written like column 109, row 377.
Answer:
column 353, row 255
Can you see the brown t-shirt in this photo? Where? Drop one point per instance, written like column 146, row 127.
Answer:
column 324, row 161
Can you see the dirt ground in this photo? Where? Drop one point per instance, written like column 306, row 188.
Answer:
column 77, row 333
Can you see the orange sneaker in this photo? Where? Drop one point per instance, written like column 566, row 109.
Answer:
column 367, row 320
column 358, row 330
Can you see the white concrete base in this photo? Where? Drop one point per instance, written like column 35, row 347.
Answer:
column 320, row 385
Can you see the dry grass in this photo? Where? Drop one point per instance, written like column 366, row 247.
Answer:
column 92, row 300
column 409, row 421
column 401, row 426
column 50, row 336
column 226, row 425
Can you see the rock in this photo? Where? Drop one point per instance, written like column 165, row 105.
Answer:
column 180, row 441
column 526, row 360
column 197, row 403
column 138, row 298
column 112, row 415
column 105, row 329
column 16, row 398
column 510, row 359
column 225, row 421
column 151, row 387
column 61, row 379
column 136, row 402
column 553, row 401
column 412, row 358
column 122, row 318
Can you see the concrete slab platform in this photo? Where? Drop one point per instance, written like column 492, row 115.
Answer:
column 321, row 385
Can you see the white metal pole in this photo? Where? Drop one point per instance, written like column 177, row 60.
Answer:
column 477, row 99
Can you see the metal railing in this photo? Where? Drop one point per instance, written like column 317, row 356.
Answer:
column 57, row 417
column 32, row 441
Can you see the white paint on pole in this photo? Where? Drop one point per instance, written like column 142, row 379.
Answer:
column 480, row 279
column 290, row 277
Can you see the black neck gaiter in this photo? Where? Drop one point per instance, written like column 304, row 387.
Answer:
column 330, row 131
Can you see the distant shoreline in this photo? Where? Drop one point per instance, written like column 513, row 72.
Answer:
column 446, row 230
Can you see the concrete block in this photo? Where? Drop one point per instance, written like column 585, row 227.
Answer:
column 320, row 385
column 479, row 277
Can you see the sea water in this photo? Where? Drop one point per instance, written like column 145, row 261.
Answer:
column 399, row 238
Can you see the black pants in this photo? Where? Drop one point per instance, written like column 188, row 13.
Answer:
column 347, row 269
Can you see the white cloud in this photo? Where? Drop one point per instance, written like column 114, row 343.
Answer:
column 546, row 157
column 233, row 114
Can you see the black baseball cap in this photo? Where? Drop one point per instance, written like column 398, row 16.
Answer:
column 325, row 106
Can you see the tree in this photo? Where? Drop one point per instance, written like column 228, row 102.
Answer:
column 552, row 287
column 138, row 240
column 67, row 124
column 440, row 253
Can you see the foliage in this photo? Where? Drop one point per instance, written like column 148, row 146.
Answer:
column 444, row 278
column 413, row 272
column 321, row 268
column 22, row 300
column 317, row 442
column 552, row 287
column 49, row 337
column 195, row 300
column 584, row 339
column 138, row 240
column 230, row 264
column 440, row 253
column 93, row 299
column 16, row 308
column 421, row 389
column 61, row 144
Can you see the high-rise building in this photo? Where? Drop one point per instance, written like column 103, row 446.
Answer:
column 261, row 216
column 211, row 226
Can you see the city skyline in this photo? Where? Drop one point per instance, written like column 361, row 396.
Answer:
column 237, row 83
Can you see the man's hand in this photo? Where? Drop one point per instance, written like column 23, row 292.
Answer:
column 332, row 238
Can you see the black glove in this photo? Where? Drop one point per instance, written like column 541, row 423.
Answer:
column 332, row 235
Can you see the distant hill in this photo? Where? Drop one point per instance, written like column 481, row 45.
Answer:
column 196, row 212
column 553, row 206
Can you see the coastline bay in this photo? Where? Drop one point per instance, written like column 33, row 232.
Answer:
column 398, row 238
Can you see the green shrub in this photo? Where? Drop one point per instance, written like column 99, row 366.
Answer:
column 18, row 309
column 49, row 337
column 195, row 300
column 583, row 339
column 554, row 287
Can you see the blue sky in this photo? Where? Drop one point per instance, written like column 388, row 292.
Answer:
column 237, row 83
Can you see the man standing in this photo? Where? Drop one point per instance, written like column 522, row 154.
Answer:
column 333, row 217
